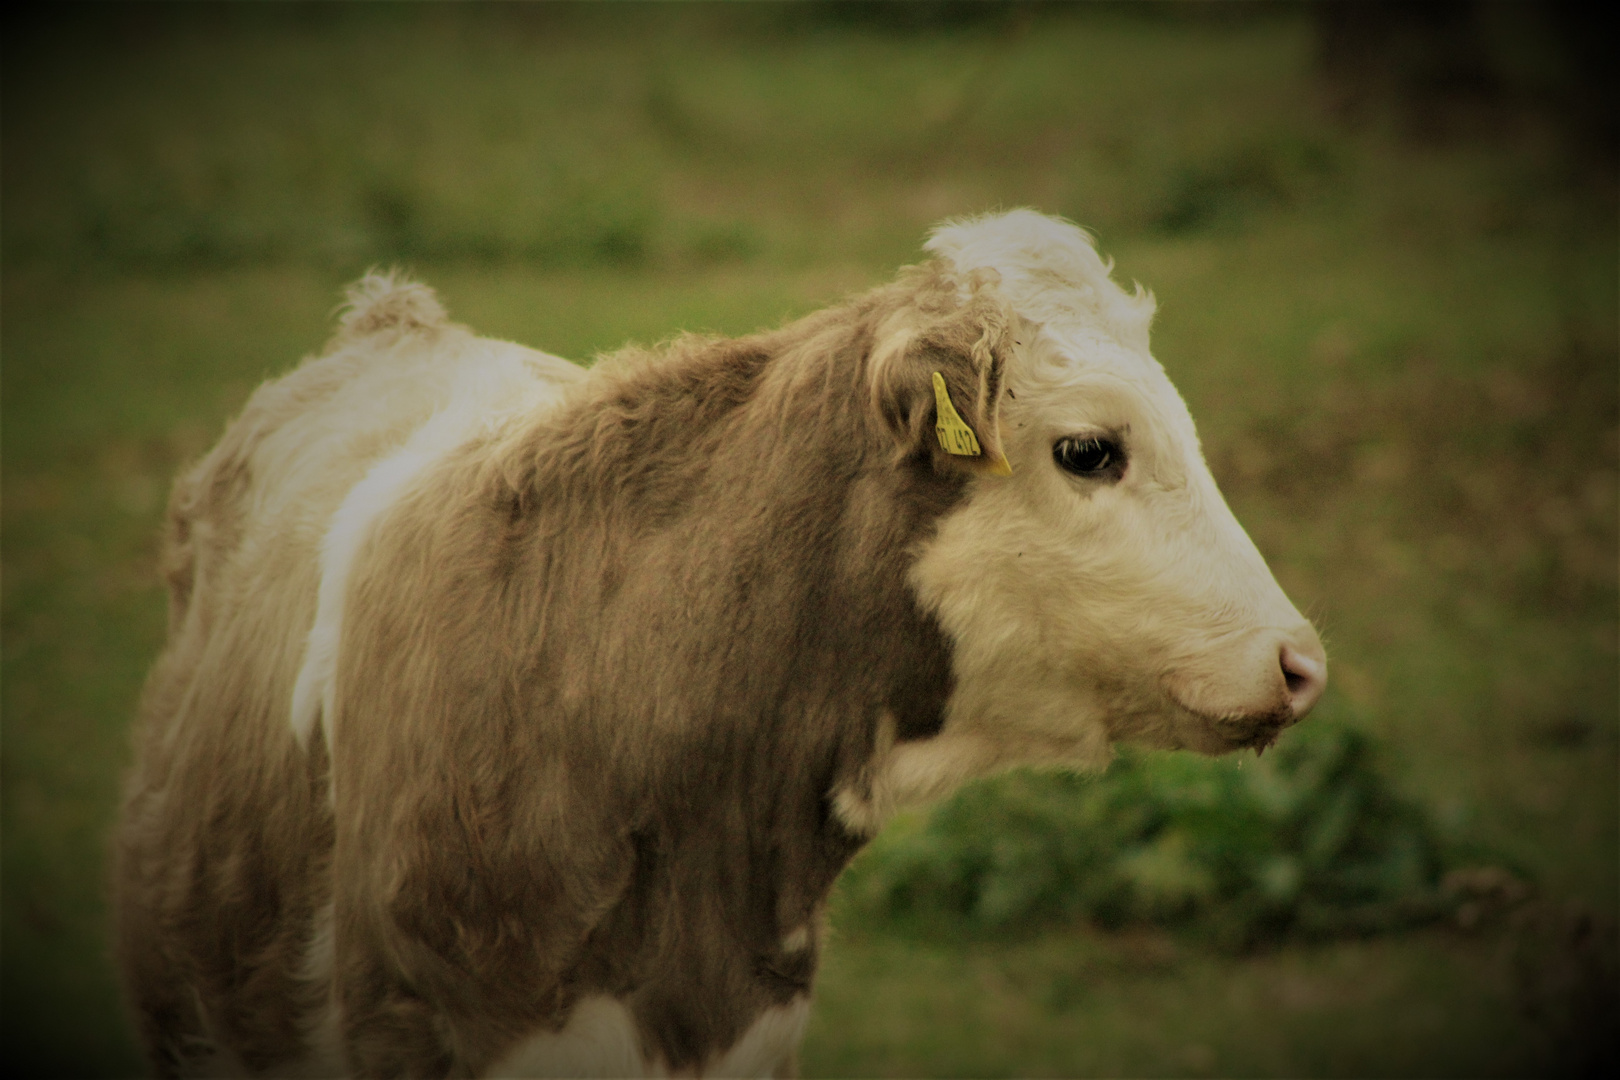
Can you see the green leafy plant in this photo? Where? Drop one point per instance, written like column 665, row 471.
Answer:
column 1310, row 840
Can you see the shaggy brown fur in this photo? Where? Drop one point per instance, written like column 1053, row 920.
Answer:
column 599, row 673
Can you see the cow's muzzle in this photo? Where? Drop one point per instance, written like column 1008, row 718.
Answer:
column 1305, row 674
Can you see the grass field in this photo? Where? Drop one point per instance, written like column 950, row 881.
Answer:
column 1398, row 336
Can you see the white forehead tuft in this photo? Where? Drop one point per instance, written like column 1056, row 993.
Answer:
column 1049, row 270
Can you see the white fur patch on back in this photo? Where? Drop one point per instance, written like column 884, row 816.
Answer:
column 490, row 392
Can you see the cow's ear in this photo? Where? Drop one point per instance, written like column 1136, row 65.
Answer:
column 936, row 377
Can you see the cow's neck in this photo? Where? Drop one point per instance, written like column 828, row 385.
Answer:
column 767, row 611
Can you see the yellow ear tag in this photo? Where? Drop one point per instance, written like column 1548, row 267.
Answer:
column 954, row 434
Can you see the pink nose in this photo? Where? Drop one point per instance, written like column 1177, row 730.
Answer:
column 1305, row 672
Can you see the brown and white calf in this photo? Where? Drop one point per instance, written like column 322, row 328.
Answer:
column 517, row 719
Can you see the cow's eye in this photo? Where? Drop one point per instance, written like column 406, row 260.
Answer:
column 1091, row 457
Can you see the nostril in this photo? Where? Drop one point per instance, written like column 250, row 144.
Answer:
column 1306, row 676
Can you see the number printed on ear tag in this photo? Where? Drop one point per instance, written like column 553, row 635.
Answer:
column 954, row 434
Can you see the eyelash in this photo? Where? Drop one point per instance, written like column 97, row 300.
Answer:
column 1089, row 457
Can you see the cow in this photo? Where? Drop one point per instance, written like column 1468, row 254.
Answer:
column 517, row 718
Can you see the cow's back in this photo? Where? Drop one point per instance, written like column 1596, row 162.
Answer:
column 226, row 833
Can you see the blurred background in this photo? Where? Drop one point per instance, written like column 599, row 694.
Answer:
column 1384, row 242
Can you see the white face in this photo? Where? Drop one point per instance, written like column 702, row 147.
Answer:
column 1104, row 591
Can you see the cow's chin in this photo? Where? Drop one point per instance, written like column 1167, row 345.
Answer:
column 1215, row 735
column 1209, row 718
column 1177, row 727
column 1222, row 736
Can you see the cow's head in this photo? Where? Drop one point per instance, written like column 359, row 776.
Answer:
column 1102, row 591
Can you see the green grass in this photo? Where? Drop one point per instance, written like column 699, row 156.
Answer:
column 1078, row 1004
column 1401, row 353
